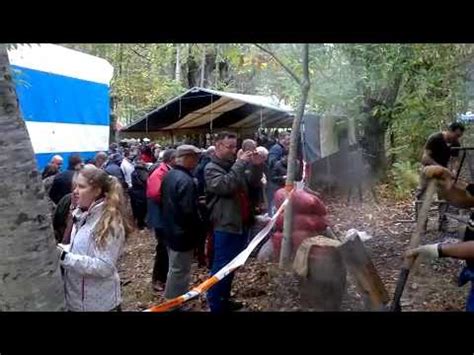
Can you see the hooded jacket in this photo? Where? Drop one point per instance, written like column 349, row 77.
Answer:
column 91, row 278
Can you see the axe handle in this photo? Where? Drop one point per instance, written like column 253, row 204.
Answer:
column 446, row 207
column 460, row 166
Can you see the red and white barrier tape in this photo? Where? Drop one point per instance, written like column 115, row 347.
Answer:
column 237, row 262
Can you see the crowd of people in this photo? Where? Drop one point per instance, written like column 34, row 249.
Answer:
column 200, row 204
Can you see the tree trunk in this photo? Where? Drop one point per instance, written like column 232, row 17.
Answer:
column 177, row 72
column 291, row 173
column 120, row 58
column 113, row 121
column 393, row 156
column 374, row 132
column 216, row 68
column 203, row 66
column 30, row 279
column 376, row 128
column 192, row 68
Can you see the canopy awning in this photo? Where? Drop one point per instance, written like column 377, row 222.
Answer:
column 204, row 108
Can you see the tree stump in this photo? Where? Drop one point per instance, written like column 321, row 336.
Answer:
column 324, row 286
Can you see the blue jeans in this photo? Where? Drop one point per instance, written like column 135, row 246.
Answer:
column 226, row 247
column 470, row 299
column 467, row 274
column 270, row 191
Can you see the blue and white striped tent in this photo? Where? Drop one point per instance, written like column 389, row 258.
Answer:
column 64, row 100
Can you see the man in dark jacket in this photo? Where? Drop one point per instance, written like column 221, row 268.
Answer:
column 280, row 170
column 205, row 158
column 138, row 194
column 227, row 183
column 275, row 154
column 181, row 222
column 62, row 184
column 112, row 167
column 154, row 218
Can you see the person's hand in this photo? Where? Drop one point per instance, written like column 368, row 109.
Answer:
column 245, row 156
column 429, row 250
column 60, row 248
column 65, row 247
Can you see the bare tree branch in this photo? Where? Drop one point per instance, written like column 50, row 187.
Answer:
column 140, row 55
column 291, row 72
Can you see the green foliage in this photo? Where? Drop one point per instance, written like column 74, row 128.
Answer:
column 405, row 176
column 143, row 75
column 409, row 90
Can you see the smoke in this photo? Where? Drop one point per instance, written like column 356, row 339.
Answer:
column 347, row 168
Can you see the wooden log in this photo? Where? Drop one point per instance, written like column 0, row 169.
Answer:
column 359, row 264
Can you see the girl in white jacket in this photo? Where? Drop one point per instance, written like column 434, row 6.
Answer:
column 91, row 277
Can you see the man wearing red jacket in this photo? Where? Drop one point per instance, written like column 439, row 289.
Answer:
column 153, row 194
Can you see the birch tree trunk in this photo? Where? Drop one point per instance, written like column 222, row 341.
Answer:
column 30, row 279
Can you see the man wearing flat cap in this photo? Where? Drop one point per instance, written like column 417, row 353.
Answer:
column 182, row 224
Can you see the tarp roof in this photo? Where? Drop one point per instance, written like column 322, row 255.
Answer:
column 203, row 108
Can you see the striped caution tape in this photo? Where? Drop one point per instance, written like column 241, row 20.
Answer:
column 237, row 262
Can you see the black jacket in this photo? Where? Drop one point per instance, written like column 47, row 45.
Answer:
column 280, row 170
column 199, row 173
column 139, row 179
column 62, row 185
column 182, row 226
column 278, row 173
column 60, row 217
column 275, row 154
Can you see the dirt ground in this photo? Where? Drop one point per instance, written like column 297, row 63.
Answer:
column 263, row 287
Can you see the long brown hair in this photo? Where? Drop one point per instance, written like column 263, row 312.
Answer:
column 114, row 220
